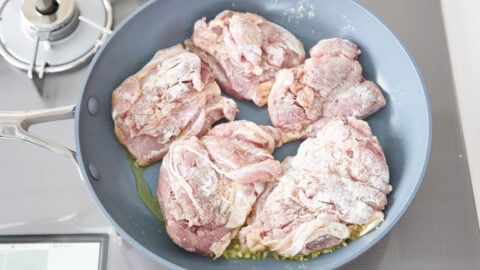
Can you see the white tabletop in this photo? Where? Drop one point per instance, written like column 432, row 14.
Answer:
column 462, row 19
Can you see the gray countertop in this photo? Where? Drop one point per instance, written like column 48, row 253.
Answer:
column 440, row 230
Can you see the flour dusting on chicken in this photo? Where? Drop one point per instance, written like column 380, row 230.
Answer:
column 329, row 85
column 209, row 185
column 338, row 181
column 245, row 51
column 173, row 96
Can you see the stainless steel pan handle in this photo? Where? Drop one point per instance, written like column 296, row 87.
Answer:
column 15, row 125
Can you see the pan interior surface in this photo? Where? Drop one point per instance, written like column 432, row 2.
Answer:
column 403, row 127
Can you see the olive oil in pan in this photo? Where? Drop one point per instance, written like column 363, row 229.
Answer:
column 144, row 191
column 234, row 250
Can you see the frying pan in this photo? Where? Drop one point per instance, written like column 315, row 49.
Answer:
column 403, row 127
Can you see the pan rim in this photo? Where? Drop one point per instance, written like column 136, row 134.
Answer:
column 426, row 152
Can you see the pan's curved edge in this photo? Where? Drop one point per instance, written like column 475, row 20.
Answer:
column 426, row 152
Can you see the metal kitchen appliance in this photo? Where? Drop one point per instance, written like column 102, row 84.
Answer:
column 49, row 36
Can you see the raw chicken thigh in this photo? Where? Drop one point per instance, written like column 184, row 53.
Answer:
column 208, row 186
column 336, row 185
column 173, row 96
column 245, row 51
column 329, row 85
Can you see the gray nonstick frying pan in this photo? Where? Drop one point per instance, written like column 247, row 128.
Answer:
column 403, row 127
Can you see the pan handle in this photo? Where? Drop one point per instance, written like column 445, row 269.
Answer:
column 15, row 125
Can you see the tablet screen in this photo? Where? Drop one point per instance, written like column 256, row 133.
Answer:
column 53, row 252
